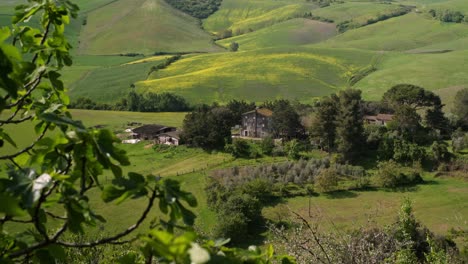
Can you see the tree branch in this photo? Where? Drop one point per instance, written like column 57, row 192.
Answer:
column 113, row 239
column 56, row 216
column 36, row 217
column 28, row 148
column 314, row 234
column 10, row 120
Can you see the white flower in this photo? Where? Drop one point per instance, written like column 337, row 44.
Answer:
column 198, row 255
column 40, row 183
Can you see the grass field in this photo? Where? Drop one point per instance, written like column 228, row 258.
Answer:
column 356, row 11
column 259, row 75
column 455, row 5
column 432, row 71
column 247, row 14
column 151, row 25
column 440, row 204
column 389, row 35
column 110, row 84
column 294, row 32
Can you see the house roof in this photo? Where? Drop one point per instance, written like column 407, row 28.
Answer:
column 154, row 128
column 370, row 117
column 173, row 134
column 379, row 117
column 385, row 117
column 262, row 111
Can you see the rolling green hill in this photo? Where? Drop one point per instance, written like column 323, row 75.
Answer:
column 356, row 11
column 297, row 31
column 433, row 71
column 142, row 26
column 245, row 15
column 407, row 32
column 281, row 54
column 110, row 84
column 258, row 75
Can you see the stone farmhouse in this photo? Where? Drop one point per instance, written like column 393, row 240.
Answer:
column 380, row 119
column 257, row 123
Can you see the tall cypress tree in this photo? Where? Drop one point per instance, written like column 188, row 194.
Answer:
column 349, row 125
column 324, row 124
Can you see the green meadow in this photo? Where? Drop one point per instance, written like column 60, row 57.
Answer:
column 402, row 33
column 433, row 71
column 355, row 11
column 258, row 75
column 281, row 54
column 141, row 26
column 248, row 15
column 294, row 32
column 102, row 84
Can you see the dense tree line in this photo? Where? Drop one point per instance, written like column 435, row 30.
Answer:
column 350, row 24
column 149, row 102
column 164, row 64
column 449, row 16
column 196, row 8
column 208, row 127
column 338, row 124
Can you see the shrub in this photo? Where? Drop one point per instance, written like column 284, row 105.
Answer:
column 239, row 148
column 234, row 46
column 292, row 149
column 440, row 152
column 326, row 181
column 267, row 145
column 390, row 175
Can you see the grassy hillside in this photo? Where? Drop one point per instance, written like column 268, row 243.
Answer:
column 402, row 33
column 254, row 14
column 297, row 31
column 460, row 5
column 432, row 71
column 142, row 26
column 110, row 84
column 356, row 11
column 294, row 73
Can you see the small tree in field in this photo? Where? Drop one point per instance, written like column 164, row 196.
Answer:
column 234, row 46
column 326, row 181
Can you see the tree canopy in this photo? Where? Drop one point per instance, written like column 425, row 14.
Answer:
column 410, row 95
column 208, row 127
column 460, row 106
